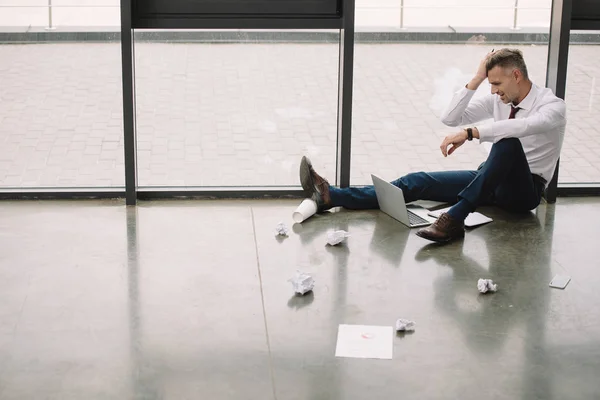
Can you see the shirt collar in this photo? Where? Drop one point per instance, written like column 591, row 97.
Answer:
column 528, row 101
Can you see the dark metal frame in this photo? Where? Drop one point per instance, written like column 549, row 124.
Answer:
column 585, row 15
column 556, row 70
column 61, row 193
column 129, row 109
column 578, row 189
column 219, row 193
column 242, row 23
column 561, row 24
column 343, row 20
column 345, row 84
column 162, row 11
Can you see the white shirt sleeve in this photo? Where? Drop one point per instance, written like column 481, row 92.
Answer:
column 463, row 111
column 548, row 117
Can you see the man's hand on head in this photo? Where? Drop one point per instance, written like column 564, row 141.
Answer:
column 481, row 73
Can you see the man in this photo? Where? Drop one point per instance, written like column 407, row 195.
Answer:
column 527, row 132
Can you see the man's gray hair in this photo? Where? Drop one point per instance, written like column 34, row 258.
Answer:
column 507, row 58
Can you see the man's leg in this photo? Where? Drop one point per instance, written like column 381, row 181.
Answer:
column 504, row 178
column 441, row 186
column 519, row 192
column 436, row 186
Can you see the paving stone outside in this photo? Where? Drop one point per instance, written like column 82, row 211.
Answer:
column 244, row 114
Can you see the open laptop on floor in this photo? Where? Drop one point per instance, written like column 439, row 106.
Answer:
column 391, row 201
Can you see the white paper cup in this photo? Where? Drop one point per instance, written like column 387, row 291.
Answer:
column 305, row 210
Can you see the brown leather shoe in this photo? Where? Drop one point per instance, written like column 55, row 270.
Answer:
column 315, row 186
column 443, row 230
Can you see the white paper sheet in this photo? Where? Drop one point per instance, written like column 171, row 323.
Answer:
column 473, row 219
column 363, row 341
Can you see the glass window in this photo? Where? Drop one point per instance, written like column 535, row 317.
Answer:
column 235, row 108
column 580, row 156
column 405, row 79
column 60, row 105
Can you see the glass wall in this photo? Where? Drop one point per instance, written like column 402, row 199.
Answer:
column 61, row 104
column 401, row 86
column 240, row 108
column 235, row 108
column 61, row 14
column 498, row 14
column 580, row 157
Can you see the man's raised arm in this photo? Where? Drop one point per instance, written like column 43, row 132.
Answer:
column 463, row 111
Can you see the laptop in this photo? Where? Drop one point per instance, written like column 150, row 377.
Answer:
column 391, row 201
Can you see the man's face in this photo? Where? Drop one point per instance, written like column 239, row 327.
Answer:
column 504, row 83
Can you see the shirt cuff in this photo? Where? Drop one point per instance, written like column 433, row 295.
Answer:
column 486, row 133
column 465, row 91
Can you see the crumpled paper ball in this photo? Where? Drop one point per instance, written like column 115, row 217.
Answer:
column 302, row 283
column 486, row 285
column 336, row 237
column 403, row 325
column 281, row 229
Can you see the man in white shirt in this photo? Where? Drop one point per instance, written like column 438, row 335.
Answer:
column 527, row 132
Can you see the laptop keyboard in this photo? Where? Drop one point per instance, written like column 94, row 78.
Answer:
column 414, row 219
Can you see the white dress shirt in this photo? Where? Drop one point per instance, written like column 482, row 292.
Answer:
column 539, row 124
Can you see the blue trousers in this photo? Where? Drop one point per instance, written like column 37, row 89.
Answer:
column 503, row 180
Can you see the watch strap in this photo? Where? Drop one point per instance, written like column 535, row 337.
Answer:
column 469, row 133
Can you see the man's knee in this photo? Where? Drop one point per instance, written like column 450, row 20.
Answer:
column 412, row 180
column 508, row 147
column 509, row 142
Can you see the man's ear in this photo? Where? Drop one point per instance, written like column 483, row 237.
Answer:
column 517, row 75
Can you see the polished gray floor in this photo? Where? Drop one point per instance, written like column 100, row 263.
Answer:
column 190, row 300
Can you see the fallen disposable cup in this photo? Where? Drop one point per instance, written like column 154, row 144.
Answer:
column 305, row 210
